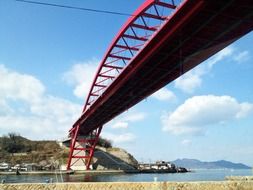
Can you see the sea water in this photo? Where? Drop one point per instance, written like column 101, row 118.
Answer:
column 195, row 175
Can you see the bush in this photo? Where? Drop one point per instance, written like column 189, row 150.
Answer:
column 12, row 143
column 104, row 143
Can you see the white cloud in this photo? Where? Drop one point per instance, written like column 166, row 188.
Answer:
column 200, row 111
column 122, row 122
column 25, row 108
column 245, row 109
column 5, row 109
column 164, row 95
column 120, row 125
column 120, row 138
column 54, row 107
column 186, row 142
column 16, row 86
column 133, row 116
column 81, row 76
column 226, row 52
column 189, row 81
column 242, row 56
column 193, row 79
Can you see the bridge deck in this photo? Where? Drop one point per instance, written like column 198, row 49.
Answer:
column 195, row 32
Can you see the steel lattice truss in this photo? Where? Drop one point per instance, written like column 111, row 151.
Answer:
column 130, row 40
column 159, row 43
column 133, row 36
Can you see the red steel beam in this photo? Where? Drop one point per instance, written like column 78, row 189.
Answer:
column 72, row 145
column 106, row 76
column 92, row 94
column 141, row 59
column 145, row 6
column 113, row 67
column 84, row 157
column 163, row 4
column 144, row 27
column 153, row 16
column 79, row 148
column 134, row 37
column 119, row 57
column 98, row 131
column 126, row 47
column 100, row 85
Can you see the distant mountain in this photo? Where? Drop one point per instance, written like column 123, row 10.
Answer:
column 196, row 164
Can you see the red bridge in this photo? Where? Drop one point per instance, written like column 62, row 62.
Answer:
column 159, row 43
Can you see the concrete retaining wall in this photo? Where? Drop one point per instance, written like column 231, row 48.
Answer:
column 226, row 185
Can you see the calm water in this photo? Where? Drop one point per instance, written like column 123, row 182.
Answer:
column 197, row 175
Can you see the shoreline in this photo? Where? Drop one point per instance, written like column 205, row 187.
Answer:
column 72, row 172
column 197, row 185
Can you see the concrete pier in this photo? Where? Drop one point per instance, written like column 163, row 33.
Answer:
column 223, row 185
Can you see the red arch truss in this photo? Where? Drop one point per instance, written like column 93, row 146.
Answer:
column 135, row 33
column 139, row 29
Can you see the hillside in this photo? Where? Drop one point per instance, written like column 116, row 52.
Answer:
column 15, row 149
column 197, row 164
column 113, row 159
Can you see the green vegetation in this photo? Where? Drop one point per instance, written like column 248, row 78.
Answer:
column 104, row 143
column 16, row 149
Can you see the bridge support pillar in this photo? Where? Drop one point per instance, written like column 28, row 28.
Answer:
column 82, row 149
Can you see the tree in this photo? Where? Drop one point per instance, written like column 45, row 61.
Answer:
column 104, row 143
column 12, row 143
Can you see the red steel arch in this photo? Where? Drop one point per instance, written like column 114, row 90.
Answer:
column 159, row 43
column 134, row 34
column 132, row 37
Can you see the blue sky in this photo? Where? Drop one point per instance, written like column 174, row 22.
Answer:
column 48, row 57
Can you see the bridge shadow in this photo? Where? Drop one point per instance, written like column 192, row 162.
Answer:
column 104, row 160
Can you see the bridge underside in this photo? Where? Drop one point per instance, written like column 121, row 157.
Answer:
column 196, row 31
column 193, row 34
